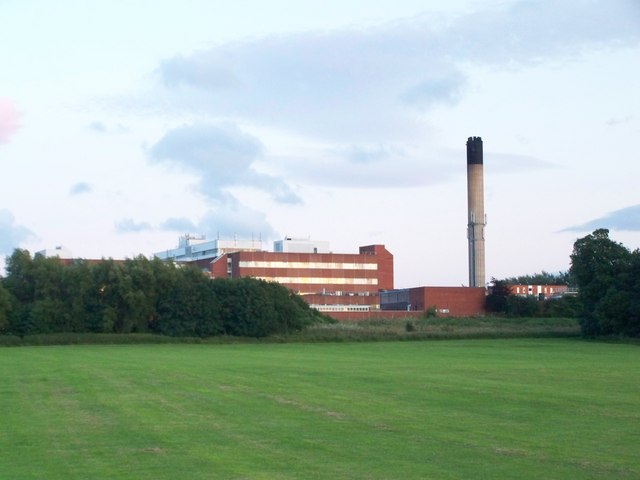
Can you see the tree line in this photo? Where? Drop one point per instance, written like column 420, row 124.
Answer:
column 501, row 300
column 139, row 295
column 543, row 278
column 607, row 276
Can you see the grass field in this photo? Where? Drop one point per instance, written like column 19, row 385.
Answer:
column 526, row 409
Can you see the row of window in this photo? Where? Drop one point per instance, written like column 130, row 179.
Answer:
column 321, row 280
column 308, row 265
column 342, row 308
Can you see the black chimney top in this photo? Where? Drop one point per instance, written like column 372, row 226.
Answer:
column 474, row 151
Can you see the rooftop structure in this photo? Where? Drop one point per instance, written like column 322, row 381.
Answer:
column 59, row 251
column 192, row 248
column 300, row 245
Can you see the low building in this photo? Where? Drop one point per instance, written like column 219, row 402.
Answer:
column 445, row 301
column 539, row 291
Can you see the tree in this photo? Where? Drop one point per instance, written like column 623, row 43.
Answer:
column 497, row 300
column 542, row 278
column 607, row 275
column 5, row 307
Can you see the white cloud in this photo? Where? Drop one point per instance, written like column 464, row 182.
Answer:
column 240, row 220
column 221, row 156
column 11, row 234
column 80, row 188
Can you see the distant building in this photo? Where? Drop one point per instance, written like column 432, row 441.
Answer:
column 540, row 291
column 327, row 281
column 63, row 253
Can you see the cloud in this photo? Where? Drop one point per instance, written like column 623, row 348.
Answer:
column 366, row 154
column 128, row 225
column 180, row 224
column 9, row 120
column 101, row 128
column 514, row 163
column 442, row 88
column 241, row 221
column 625, row 219
column 11, row 235
column 225, row 223
column 615, row 121
column 221, row 156
column 371, row 166
column 80, row 188
column 354, row 83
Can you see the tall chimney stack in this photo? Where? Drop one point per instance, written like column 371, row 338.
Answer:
column 476, row 217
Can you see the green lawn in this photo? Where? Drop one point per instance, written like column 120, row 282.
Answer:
column 538, row 409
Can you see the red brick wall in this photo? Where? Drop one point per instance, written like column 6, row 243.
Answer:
column 219, row 267
column 385, row 264
column 459, row 301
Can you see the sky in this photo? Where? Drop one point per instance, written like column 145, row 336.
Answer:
column 124, row 125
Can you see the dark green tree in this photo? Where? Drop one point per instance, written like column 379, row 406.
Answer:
column 518, row 306
column 497, row 299
column 20, row 284
column 5, row 308
column 607, row 279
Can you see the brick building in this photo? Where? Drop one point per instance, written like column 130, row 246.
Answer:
column 330, row 282
column 540, row 291
column 453, row 301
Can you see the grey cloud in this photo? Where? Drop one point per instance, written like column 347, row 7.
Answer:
column 372, row 153
column 11, row 235
column 371, row 75
column 224, row 222
column 128, row 225
column 221, row 156
column 80, row 188
column 98, row 127
column 513, row 163
column 615, row 121
column 439, row 89
column 207, row 70
column 180, row 224
column 372, row 166
column 625, row 219
column 395, row 166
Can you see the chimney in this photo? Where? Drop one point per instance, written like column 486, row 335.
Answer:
column 476, row 218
